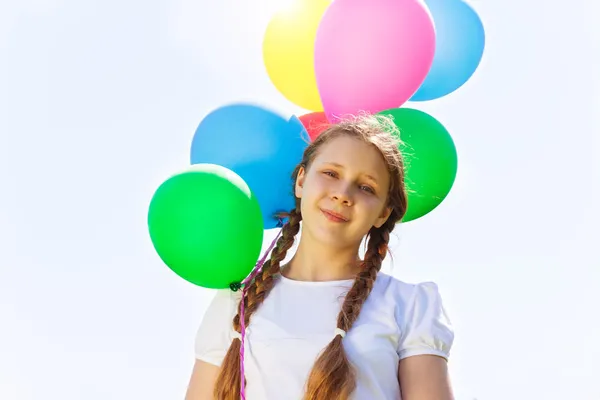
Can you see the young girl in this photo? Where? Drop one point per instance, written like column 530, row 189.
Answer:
column 328, row 325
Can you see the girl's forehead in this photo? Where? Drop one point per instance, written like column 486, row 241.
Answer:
column 347, row 150
column 343, row 146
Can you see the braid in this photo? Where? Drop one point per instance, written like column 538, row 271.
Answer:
column 365, row 280
column 227, row 386
column 263, row 283
column 332, row 377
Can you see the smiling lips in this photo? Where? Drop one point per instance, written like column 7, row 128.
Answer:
column 333, row 216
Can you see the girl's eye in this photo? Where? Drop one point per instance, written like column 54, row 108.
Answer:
column 330, row 173
column 367, row 189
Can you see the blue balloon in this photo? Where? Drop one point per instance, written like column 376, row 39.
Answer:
column 259, row 145
column 460, row 40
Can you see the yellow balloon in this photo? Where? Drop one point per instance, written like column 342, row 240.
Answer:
column 289, row 52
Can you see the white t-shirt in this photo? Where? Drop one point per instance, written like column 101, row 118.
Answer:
column 298, row 319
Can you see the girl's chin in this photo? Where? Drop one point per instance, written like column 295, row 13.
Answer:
column 332, row 234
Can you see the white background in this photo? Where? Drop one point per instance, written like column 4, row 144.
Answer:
column 98, row 104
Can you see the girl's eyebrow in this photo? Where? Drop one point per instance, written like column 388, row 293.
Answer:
column 334, row 164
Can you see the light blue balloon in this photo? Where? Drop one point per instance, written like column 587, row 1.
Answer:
column 262, row 147
column 460, row 40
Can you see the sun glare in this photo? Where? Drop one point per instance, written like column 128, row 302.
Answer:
column 273, row 7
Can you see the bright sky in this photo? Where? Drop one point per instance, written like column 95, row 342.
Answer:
column 98, row 104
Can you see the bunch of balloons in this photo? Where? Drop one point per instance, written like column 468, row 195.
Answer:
column 332, row 58
column 347, row 55
column 342, row 57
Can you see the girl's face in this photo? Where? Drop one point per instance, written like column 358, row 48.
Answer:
column 344, row 191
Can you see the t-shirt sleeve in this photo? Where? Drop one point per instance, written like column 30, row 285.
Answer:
column 215, row 333
column 426, row 326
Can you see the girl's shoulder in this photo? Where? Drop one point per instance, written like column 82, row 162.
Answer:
column 411, row 302
column 419, row 312
column 215, row 332
column 398, row 290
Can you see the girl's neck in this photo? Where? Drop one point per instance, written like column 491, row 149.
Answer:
column 318, row 262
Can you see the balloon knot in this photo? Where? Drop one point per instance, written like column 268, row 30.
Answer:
column 235, row 286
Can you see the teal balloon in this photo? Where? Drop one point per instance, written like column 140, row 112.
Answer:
column 205, row 224
column 460, row 42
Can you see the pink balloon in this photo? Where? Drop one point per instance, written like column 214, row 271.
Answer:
column 372, row 55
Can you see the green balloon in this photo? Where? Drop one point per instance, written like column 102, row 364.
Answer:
column 430, row 157
column 206, row 226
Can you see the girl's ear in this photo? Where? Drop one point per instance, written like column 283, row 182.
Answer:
column 300, row 182
column 385, row 214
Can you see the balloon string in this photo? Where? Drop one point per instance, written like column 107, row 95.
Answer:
column 246, row 285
